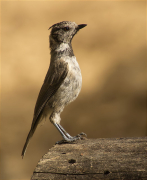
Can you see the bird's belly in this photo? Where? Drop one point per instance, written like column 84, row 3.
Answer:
column 68, row 91
column 70, row 88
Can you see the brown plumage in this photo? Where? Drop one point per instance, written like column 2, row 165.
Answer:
column 63, row 80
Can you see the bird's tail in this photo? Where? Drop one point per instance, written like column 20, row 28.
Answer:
column 26, row 143
column 33, row 128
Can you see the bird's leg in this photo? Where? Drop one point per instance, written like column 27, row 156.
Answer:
column 79, row 135
column 62, row 131
column 67, row 136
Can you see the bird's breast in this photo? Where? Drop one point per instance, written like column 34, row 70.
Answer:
column 70, row 88
column 74, row 77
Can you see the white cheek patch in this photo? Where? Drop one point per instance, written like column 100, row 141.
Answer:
column 62, row 47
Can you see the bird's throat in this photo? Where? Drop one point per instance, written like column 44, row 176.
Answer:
column 63, row 49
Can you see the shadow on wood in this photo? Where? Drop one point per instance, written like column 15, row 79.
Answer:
column 119, row 158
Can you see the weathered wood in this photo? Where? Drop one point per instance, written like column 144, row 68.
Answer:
column 119, row 158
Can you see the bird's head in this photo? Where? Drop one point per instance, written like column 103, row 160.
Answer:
column 63, row 32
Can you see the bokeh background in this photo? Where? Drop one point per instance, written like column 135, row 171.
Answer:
column 111, row 52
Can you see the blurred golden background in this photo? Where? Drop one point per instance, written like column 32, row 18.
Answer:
column 111, row 51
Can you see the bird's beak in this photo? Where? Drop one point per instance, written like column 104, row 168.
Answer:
column 80, row 26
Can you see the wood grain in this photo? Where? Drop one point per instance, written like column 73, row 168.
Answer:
column 119, row 158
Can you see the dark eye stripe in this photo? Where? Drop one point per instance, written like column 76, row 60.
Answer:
column 56, row 29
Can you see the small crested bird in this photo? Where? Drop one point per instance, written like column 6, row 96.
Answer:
column 62, row 83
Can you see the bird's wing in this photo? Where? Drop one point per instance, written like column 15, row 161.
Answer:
column 54, row 78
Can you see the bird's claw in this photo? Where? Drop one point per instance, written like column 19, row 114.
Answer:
column 72, row 139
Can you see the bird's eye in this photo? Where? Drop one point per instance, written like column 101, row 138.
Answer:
column 66, row 28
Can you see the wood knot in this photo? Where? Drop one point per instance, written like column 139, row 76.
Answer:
column 72, row 161
column 106, row 172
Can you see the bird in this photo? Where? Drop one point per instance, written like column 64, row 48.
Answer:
column 62, row 83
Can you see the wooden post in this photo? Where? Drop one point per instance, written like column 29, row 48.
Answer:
column 115, row 158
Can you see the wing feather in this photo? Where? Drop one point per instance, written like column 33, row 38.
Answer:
column 54, row 78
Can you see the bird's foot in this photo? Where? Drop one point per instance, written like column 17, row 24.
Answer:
column 79, row 136
column 71, row 139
